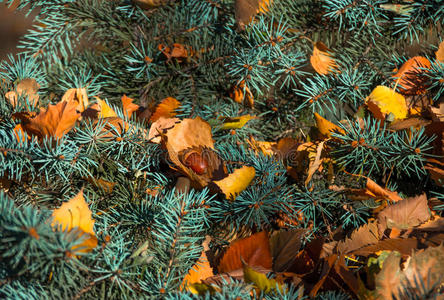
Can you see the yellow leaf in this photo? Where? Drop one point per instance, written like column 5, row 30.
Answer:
column 236, row 122
column 315, row 163
column 382, row 101
column 236, row 182
column 201, row 288
column 76, row 214
column 260, row 280
column 78, row 95
column 105, row 110
column 440, row 52
column 325, row 126
column 321, row 60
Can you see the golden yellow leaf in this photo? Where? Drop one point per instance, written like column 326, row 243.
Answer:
column 383, row 101
column 105, row 111
column 236, row 182
column 321, row 60
column 76, row 214
column 236, row 122
column 200, row 271
column 326, row 127
column 440, row 52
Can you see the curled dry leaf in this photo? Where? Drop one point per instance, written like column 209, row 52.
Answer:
column 178, row 51
column 384, row 101
column 78, row 96
column 190, row 148
column 321, row 60
column 54, row 121
column 254, row 250
column 409, row 76
column 236, row 182
column 315, row 164
column 161, row 126
column 165, row 109
column 76, row 215
column 241, row 93
column 326, row 127
column 27, row 87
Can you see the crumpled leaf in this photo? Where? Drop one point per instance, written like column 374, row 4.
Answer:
column 178, row 51
column 241, row 93
column 321, row 60
column 161, row 126
column 405, row 214
column 165, row 109
column 236, row 122
column 78, row 95
column 54, row 121
column 326, row 127
column 76, row 215
column 383, row 101
column 315, row 163
column 254, row 250
column 408, row 77
column 260, row 280
column 236, row 182
column 27, row 87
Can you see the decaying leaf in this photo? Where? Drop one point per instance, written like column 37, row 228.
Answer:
column 254, row 250
column 166, row 109
column 27, row 87
column 321, row 59
column 409, row 76
column 236, row 182
column 76, row 215
column 384, row 101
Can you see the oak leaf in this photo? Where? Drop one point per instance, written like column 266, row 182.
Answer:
column 76, row 215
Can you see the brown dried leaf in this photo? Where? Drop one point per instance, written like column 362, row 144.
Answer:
column 27, row 87
column 404, row 214
column 363, row 236
column 284, row 246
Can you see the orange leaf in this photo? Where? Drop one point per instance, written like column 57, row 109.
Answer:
column 321, row 60
column 200, row 271
column 245, row 10
column 55, row 121
column 408, row 78
column 27, row 87
column 326, row 127
column 377, row 190
column 254, row 250
column 241, row 92
column 440, row 52
column 165, row 109
column 76, row 214
column 128, row 106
